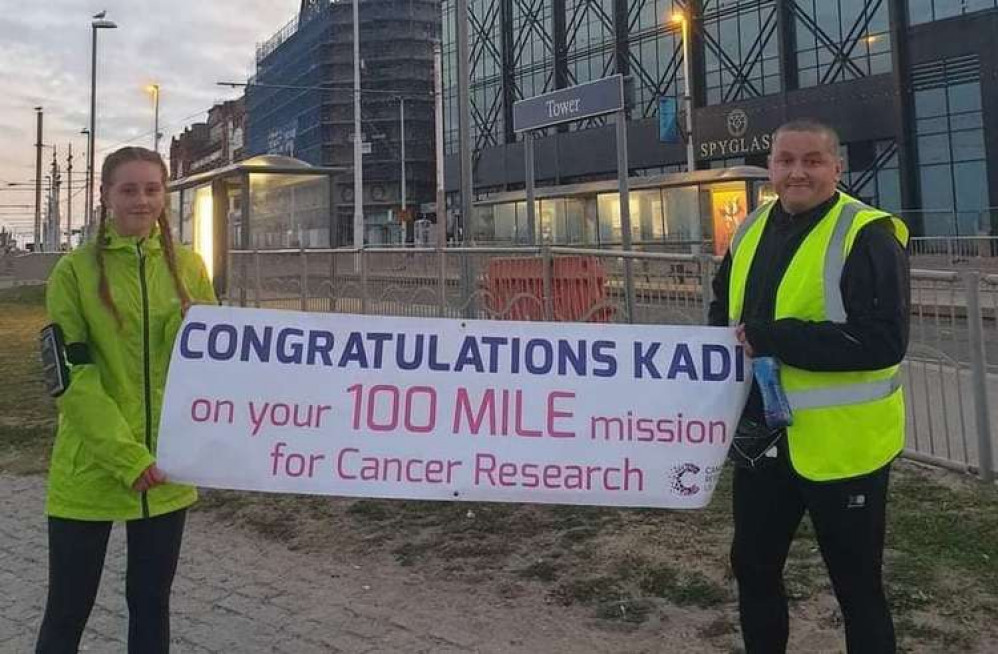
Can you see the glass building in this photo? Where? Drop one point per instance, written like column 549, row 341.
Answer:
column 911, row 86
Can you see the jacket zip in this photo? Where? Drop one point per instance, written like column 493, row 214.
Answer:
column 145, row 363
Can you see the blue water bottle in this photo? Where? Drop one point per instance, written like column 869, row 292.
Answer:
column 775, row 405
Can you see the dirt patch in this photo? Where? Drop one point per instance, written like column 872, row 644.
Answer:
column 635, row 570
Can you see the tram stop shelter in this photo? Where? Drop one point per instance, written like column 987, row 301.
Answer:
column 265, row 202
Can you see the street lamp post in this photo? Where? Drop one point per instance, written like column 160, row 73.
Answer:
column 684, row 22
column 464, row 119
column 358, row 161
column 38, row 182
column 69, row 200
column 86, row 182
column 154, row 89
column 98, row 23
column 402, row 140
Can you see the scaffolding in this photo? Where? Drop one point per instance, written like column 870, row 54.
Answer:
column 300, row 103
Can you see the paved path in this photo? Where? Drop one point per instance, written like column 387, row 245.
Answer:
column 238, row 592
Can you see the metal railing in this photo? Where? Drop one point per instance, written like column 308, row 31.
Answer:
column 951, row 372
column 946, row 252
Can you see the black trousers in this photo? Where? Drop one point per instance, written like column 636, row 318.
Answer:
column 849, row 520
column 76, row 560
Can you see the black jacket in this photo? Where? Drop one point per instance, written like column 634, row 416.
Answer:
column 875, row 292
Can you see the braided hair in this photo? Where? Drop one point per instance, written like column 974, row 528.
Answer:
column 111, row 164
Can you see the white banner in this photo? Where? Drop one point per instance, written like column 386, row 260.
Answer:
column 439, row 409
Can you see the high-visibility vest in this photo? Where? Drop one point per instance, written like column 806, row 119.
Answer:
column 845, row 424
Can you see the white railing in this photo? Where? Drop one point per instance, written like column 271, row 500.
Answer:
column 951, row 371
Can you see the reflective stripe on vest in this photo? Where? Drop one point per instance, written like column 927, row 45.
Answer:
column 817, row 398
column 835, row 260
column 746, row 225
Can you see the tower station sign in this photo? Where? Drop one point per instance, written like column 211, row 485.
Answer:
column 603, row 96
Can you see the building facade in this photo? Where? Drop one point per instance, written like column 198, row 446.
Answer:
column 911, row 86
column 212, row 144
column 300, row 103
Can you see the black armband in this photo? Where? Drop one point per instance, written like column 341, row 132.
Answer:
column 57, row 357
column 78, row 354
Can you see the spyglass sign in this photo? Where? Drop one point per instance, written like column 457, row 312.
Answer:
column 739, row 141
column 603, row 96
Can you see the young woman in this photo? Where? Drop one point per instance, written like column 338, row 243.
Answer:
column 119, row 301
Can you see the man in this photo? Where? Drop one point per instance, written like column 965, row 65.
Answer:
column 819, row 281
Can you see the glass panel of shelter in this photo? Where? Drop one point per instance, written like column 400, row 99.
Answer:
column 671, row 219
column 288, row 211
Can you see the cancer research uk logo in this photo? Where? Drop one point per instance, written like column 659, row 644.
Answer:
column 737, row 123
column 689, row 479
column 681, row 479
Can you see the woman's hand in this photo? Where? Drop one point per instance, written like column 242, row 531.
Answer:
column 150, row 477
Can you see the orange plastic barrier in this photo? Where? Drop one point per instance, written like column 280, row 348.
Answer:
column 578, row 284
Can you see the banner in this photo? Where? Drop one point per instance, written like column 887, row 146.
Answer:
column 668, row 114
column 372, row 406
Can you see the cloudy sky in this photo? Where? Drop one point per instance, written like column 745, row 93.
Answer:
column 185, row 46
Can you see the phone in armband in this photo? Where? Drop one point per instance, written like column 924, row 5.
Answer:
column 55, row 368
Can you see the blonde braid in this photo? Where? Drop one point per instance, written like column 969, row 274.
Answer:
column 166, row 239
column 104, row 286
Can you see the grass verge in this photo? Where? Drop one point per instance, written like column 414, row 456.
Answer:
column 27, row 415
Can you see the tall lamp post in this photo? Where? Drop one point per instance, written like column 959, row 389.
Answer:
column 402, row 191
column 86, row 183
column 154, row 89
column 358, row 161
column 38, row 183
column 98, row 23
column 684, row 23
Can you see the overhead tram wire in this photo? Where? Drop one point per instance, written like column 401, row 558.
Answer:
column 162, row 128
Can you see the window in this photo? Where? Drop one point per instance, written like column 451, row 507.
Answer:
column 871, row 173
column 926, row 11
column 953, row 177
column 533, row 45
column 589, row 40
column 486, row 88
column 655, row 53
column 590, row 46
column 741, row 50
column 486, row 74
column 839, row 40
column 610, row 231
column 726, row 163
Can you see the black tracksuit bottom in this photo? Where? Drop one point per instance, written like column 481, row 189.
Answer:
column 849, row 521
column 76, row 560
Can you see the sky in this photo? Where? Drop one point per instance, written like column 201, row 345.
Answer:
column 185, row 46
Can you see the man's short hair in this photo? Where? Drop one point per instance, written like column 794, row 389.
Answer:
column 810, row 126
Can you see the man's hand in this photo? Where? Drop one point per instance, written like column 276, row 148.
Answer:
column 150, row 477
column 743, row 340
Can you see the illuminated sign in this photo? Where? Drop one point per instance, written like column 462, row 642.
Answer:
column 739, row 141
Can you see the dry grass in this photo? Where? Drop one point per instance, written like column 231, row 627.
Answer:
column 27, row 415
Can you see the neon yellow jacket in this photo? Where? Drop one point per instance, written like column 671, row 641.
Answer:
column 109, row 416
